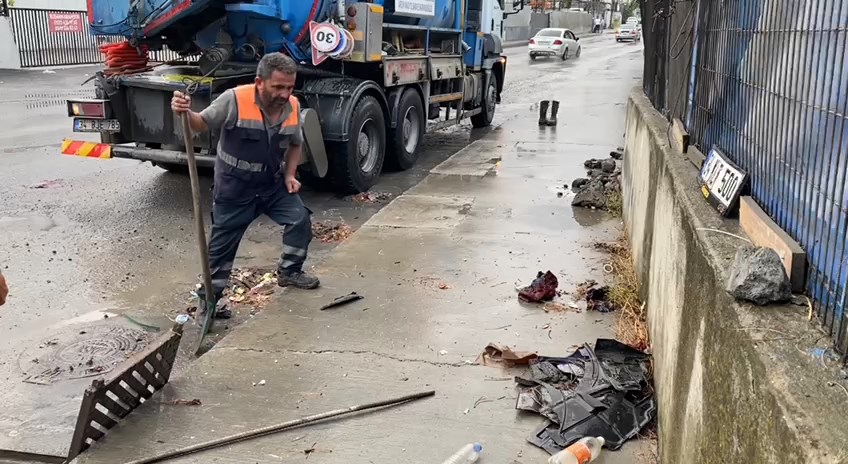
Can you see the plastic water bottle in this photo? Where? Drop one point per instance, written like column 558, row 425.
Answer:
column 584, row 451
column 468, row 453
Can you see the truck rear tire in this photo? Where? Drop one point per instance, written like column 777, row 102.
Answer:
column 406, row 137
column 485, row 117
column 357, row 163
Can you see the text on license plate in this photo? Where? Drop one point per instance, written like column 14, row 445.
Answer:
column 97, row 125
column 721, row 178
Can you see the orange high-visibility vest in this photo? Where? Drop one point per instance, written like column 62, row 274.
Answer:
column 250, row 159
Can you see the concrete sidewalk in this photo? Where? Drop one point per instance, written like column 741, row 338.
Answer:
column 438, row 268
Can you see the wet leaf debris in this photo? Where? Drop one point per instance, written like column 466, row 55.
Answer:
column 370, row 198
column 251, row 287
column 248, row 287
column 330, row 231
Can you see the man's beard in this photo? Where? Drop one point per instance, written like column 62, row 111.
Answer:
column 271, row 102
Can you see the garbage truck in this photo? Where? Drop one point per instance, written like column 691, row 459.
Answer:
column 373, row 76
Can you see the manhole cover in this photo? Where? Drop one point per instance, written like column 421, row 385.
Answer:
column 84, row 352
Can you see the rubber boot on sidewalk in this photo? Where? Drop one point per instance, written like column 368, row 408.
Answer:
column 552, row 121
column 543, row 112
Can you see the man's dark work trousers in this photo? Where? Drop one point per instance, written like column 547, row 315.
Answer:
column 230, row 220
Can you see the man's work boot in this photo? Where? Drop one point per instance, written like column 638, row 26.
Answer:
column 552, row 121
column 297, row 279
column 543, row 113
column 222, row 311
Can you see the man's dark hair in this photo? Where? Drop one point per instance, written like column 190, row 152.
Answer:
column 275, row 62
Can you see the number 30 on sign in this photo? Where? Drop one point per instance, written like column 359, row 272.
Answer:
column 721, row 181
column 325, row 38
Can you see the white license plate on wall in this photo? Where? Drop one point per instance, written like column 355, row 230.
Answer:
column 96, row 125
column 721, row 181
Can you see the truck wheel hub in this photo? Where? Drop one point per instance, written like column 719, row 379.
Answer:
column 410, row 130
column 368, row 146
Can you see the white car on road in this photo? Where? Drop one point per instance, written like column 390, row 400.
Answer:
column 554, row 42
column 628, row 31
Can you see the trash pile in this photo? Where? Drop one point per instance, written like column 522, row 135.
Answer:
column 248, row 287
column 604, row 180
column 251, row 287
column 597, row 298
column 329, row 231
column 603, row 391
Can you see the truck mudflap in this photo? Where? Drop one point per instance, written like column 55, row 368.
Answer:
column 315, row 152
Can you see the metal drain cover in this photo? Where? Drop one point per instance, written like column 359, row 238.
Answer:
column 80, row 352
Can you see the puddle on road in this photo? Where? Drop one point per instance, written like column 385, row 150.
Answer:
column 589, row 217
column 31, row 223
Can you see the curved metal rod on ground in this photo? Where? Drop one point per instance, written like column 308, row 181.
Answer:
column 279, row 428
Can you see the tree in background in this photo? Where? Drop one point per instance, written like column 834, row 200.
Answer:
column 628, row 9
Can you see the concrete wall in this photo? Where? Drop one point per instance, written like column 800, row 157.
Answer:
column 525, row 23
column 735, row 383
column 517, row 26
column 579, row 23
column 9, row 58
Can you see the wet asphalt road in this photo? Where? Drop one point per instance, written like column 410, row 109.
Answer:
column 84, row 239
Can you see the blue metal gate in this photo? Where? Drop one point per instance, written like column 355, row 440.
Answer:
column 771, row 89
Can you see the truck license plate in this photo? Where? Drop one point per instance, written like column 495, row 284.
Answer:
column 96, row 125
column 721, row 181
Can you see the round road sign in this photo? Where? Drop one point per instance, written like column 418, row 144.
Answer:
column 326, row 38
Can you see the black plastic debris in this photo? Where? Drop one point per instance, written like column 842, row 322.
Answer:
column 597, row 299
column 342, row 300
column 602, row 391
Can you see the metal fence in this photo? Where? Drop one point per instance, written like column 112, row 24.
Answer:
column 768, row 83
column 61, row 37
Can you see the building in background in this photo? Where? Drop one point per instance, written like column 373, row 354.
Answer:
column 74, row 5
column 523, row 21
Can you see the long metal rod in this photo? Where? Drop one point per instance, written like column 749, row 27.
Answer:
column 217, row 443
column 198, row 212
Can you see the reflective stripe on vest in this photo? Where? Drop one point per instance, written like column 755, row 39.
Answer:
column 240, row 164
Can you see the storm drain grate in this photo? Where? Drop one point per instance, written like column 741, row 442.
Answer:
column 112, row 397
